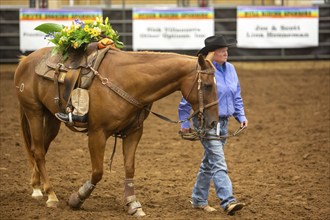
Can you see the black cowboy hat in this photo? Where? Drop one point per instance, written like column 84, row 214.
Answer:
column 214, row 42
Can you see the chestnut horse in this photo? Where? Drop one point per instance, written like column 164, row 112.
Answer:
column 144, row 77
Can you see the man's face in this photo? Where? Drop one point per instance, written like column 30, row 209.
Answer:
column 221, row 55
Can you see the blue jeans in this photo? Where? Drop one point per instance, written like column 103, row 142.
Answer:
column 213, row 167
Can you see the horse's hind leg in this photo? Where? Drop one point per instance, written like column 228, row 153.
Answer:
column 35, row 177
column 51, row 129
column 41, row 129
column 129, row 148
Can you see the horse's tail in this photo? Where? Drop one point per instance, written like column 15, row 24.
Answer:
column 21, row 58
column 26, row 134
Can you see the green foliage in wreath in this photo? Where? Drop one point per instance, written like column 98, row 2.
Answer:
column 79, row 34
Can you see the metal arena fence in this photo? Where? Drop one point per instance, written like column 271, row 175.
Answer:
column 120, row 12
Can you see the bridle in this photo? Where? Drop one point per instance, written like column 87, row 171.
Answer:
column 201, row 107
column 201, row 132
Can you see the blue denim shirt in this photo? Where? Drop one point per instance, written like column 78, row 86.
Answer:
column 229, row 95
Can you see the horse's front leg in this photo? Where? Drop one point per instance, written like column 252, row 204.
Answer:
column 129, row 148
column 96, row 144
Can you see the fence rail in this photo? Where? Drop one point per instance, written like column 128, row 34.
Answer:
column 135, row 3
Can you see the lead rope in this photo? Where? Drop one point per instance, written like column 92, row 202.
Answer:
column 195, row 135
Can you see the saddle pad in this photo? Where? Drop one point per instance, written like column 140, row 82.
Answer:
column 45, row 71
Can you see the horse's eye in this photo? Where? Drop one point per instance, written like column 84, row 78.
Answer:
column 208, row 87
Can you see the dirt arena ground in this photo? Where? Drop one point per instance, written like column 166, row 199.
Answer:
column 279, row 166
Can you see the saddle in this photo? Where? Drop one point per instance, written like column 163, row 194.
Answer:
column 75, row 72
column 78, row 60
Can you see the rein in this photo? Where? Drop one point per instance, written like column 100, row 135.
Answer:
column 181, row 121
column 118, row 90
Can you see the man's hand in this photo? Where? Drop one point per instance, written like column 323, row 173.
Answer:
column 188, row 134
column 244, row 124
column 185, row 130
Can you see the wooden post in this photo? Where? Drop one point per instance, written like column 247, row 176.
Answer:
column 32, row 3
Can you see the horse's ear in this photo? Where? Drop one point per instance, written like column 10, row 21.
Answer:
column 202, row 61
column 206, row 63
column 209, row 56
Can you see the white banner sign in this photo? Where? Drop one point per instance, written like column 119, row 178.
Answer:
column 277, row 27
column 31, row 39
column 177, row 28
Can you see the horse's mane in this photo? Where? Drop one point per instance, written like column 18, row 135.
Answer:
column 159, row 53
column 150, row 59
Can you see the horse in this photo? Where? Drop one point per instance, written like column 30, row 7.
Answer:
column 144, row 76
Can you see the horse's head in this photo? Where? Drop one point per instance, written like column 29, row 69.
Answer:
column 201, row 93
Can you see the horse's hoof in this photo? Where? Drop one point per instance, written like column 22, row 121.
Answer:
column 139, row 213
column 52, row 204
column 75, row 202
column 135, row 209
column 37, row 194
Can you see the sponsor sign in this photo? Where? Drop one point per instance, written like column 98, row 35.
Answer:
column 277, row 27
column 31, row 39
column 171, row 28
